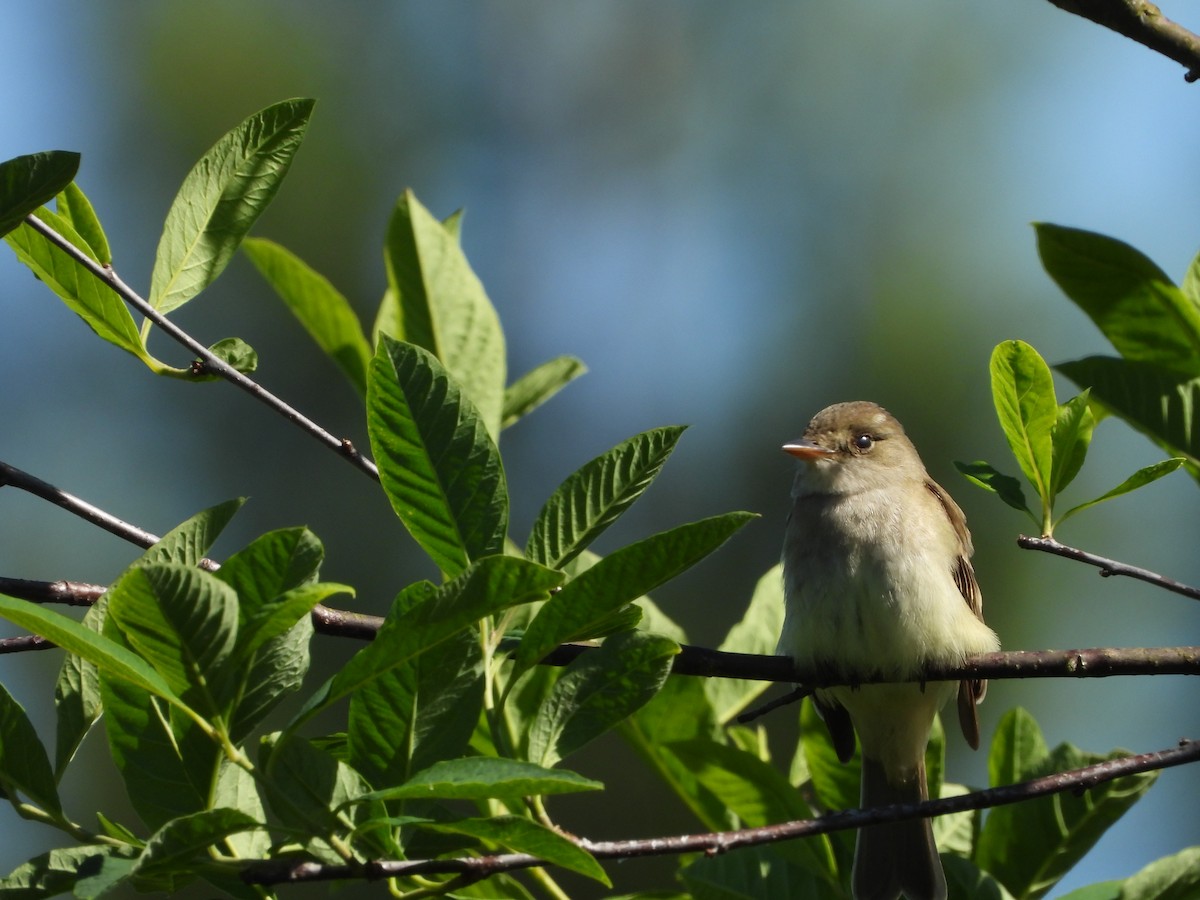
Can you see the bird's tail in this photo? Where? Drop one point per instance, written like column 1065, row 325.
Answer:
column 898, row 857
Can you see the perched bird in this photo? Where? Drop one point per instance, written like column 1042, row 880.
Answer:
column 878, row 579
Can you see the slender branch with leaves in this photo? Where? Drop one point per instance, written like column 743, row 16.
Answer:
column 455, row 719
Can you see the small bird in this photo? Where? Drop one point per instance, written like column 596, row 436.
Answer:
column 878, row 579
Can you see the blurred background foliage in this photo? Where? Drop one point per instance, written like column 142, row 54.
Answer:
column 735, row 214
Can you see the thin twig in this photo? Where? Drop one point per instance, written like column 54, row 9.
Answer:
column 1108, row 567
column 212, row 363
column 281, row 871
column 1143, row 22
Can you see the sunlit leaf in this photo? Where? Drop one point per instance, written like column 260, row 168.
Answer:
column 437, row 464
column 592, row 498
column 73, row 205
column 325, row 314
column 221, row 198
column 537, row 386
column 1140, row 478
column 1023, row 392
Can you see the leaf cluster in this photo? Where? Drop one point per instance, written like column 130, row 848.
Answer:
column 450, row 736
column 1153, row 324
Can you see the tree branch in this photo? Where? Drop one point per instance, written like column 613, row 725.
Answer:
column 1143, row 22
column 289, row 871
column 211, row 363
column 1108, row 567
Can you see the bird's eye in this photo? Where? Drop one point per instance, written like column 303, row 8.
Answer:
column 863, row 442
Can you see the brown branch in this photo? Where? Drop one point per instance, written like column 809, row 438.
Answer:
column 281, row 871
column 1108, row 567
column 1143, row 22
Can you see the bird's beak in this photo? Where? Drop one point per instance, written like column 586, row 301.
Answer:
column 807, row 450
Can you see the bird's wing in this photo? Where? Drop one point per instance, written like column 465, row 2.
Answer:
column 971, row 691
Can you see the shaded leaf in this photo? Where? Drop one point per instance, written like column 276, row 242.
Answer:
column 619, row 579
column 30, row 181
column 1131, row 300
column 537, row 386
column 1157, row 401
column 77, row 703
column 236, row 353
column 759, row 795
column 749, row 873
column 437, row 464
column 441, row 307
column 325, row 314
column 491, row 585
column 180, row 843
column 1030, row 846
column 418, row 713
column 757, row 632
column 593, row 498
column 24, row 765
column 221, row 198
column 55, row 872
column 1006, row 487
column 520, row 835
column 597, row 691
column 278, row 669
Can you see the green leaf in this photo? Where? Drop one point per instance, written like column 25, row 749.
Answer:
column 77, row 703
column 491, row 585
column 1072, row 436
column 758, row 794
column 1023, row 392
column 306, row 786
column 1157, row 401
column 749, row 873
column 178, row 845
column 1191, row 280
column 181, row 620
column 619, row 579
column 74, row 206
column 237, row 789
column 278, row 669
column 418, row 713
column 55, row 872
column 236, row 353
column 520, row 835
column 1131, row 300
column 85, row 295
column 1007, row 488
column 757, row 632
column 159, row 753
column 30, row 181
column 325, row 314
column 1175, row 877
column 484, row 778
column 597, row 691
column 442, row 307
column 965, row 879
column 537, row 386
column 596, row 495
column 189, row 541
column 1140, row 478
column 24, row 765
column 834, row 783
column 221, row 198
column 437, row 464
column 1030, row 846
column 73, row 637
